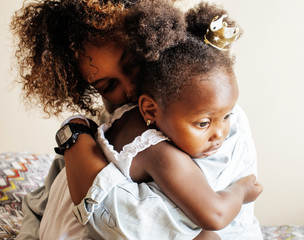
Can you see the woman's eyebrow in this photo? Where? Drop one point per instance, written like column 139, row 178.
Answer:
column 122, row 57
column 120, row 61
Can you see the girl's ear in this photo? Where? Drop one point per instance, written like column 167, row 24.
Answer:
column 148, row 108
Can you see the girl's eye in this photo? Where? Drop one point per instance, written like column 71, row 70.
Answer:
column 203, row 124
column 227, row 117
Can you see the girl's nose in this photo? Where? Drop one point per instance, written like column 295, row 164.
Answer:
column 217, row 135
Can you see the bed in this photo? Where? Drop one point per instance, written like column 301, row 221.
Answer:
column 22, row 172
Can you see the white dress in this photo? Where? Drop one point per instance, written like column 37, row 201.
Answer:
column 123, row 211
column 123, row 159
column 118, row 209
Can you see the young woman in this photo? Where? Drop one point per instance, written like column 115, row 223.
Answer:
column 53, row 36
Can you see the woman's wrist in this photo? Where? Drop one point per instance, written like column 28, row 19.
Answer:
column 77, row 119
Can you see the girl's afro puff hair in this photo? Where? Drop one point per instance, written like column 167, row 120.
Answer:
column 153, row 26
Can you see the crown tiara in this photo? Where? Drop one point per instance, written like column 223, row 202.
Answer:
column 219, row 35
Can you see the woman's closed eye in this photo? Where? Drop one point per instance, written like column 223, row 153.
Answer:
column 106, row 86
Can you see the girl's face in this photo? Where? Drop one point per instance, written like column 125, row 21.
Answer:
column 199, row 122
column 110, row 70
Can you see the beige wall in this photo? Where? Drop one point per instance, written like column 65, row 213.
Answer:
column 20, row 129
column 271, row 79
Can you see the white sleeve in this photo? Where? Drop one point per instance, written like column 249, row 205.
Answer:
column 105, row 180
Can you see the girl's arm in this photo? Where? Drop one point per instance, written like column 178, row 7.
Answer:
column 185, row 184
column 207, row 235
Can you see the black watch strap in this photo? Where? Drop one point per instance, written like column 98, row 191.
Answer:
column 67, row 135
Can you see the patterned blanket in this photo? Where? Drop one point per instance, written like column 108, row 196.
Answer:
column 284, row 232
column 21, row 173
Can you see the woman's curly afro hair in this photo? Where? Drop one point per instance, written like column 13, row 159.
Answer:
column 51, row 34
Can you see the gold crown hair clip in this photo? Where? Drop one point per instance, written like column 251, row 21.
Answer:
column 219, row 35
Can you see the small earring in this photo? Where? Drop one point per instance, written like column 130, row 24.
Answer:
column 148, row 122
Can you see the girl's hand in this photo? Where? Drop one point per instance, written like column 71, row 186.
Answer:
column 252, row 189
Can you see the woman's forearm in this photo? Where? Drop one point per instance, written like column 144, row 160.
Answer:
column 84, row 160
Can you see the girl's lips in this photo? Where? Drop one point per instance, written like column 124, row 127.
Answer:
column 211, row 151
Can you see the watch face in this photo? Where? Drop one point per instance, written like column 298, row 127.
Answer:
column 64, row 134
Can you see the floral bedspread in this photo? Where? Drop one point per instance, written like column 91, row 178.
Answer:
column 21, row 173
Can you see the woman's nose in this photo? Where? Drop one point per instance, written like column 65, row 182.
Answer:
column 130, row 90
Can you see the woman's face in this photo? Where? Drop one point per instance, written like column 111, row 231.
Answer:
column 111, row 70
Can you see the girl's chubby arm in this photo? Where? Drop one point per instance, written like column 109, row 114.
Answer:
column 83, row 161
column 186, row 185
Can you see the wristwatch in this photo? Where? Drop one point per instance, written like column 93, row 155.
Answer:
column 67, row 135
